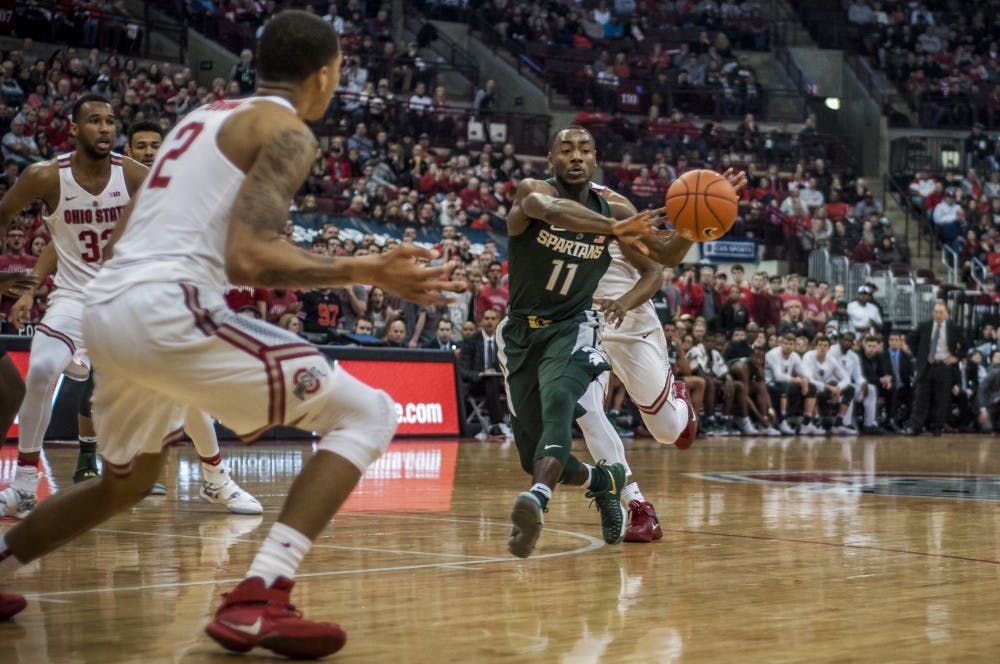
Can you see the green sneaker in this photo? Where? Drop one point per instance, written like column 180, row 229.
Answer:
column 609, row 502
column 527, row 520
column 86, row 467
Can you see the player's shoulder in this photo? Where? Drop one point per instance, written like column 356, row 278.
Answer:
column 43, row 173
column 534, row 185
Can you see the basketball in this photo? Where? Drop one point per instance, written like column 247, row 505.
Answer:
column 701, row 204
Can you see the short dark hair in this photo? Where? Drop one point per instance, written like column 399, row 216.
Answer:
column 574, row 127
column 295, row 44
column 86, row 99
column 144, row 125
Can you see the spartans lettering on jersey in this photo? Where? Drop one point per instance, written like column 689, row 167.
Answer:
column 572, row 248
column 91, row 216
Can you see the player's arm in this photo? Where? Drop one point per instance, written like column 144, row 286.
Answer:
column 32, row 185
column 135, row 175
column 256, row 252
column 44, row 268
column 536, row 199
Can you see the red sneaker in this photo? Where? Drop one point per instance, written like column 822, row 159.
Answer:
column 252, row 615
column 687, row 436
column 11, row 605
column 643, row 526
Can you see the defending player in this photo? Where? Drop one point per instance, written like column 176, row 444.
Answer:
column 76, row 266
column 637, row 350
column 163, row 339
column 86, row 192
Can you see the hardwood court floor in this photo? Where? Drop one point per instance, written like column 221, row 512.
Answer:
column 787, row 550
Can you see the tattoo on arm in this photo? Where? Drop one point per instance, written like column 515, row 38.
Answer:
column 274, row 178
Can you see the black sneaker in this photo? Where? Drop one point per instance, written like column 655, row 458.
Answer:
column 526, row 516
column 609, row 502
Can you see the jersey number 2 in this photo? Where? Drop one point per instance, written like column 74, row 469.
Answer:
column 557, row 266
column 188, row 132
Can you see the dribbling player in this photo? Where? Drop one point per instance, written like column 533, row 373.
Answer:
column 75, row 203
column 211, row 212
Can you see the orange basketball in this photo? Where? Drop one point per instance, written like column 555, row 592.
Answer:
column 701, row 205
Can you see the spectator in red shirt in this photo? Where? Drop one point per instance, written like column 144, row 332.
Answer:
column 279, row 302
column 493, row 295
column 865, row 251
column 765, row 306
column 836, row 208
column 692, row 294
column 239, row 297
column 356, row 208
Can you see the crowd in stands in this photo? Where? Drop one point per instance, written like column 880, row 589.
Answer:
column 945, row 57
column 963, row 208
column 629, row 55
column 84, row 24
column 394, row 170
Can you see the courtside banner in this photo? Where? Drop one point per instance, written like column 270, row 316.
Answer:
column 423, row 384
column 424, row 393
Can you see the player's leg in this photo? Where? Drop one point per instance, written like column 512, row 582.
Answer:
column 51, row 353
column 570, row 361
column 217, row 483
column 664, row 404
column 842, row 425
column 11, row 393
column 763, row 400
column 869, row 402
column 86, row 460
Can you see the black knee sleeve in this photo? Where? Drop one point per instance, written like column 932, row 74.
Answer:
column 86, row 395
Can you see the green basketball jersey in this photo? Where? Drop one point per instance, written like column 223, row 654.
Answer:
column 553, row 272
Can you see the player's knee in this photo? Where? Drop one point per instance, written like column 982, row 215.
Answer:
column 560, row 399
column 365, row 429
column 44, row 369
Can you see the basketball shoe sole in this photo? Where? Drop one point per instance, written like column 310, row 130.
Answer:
column 526, row 517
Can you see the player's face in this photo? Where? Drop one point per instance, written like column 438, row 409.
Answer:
column 846, row 342
column 573, row 157
column 94, row 130
column 143, row 146
column 787, row 345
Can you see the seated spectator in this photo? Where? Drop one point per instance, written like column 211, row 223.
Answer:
column 395, row 334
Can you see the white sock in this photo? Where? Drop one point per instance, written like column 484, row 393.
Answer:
column 8, row 562
column 542, row 489
column 213, row 473
column 590, row 474
column 280, row 554
column 631, row 492
column 26, row 479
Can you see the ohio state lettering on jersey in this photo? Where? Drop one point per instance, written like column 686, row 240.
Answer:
column 82, row 223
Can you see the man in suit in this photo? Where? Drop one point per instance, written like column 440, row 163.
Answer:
column 480, row 371
column 937, row 350
column 897, row 395
column 965, row 391
column 442, row 337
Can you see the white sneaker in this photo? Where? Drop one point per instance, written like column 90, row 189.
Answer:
column 843, row 430
column 748, row 428
column 230, row 494
column 16, row 502
column 786, row 428
column 770, row 431
column 811, row 430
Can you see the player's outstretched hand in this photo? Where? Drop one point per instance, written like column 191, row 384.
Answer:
column 16, row 282
column 630, row 231
column 401, row 272
column 738, row 180
column 614, row 312
column 20, row 312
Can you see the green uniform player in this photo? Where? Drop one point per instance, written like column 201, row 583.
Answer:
column 559, row 231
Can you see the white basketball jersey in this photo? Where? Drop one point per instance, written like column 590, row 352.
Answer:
column 82, row 223
column 617, row 281
column 177, row 229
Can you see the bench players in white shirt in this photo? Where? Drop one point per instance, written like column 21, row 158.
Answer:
column 784, row 375
column 637, row 351
column 86, row 192
column 843, row 352
column 832, row 384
